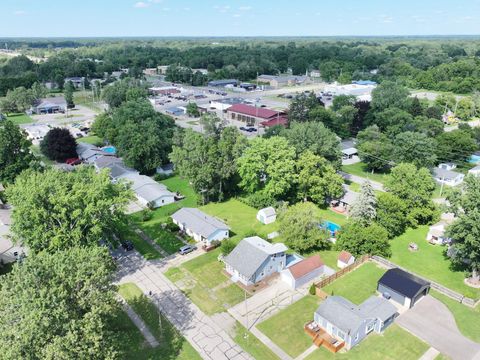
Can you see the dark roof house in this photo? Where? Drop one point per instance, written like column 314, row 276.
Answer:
column 403, row 287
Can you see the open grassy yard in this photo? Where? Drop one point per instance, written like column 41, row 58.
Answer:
column 92, row 139
column 467, row 319
column 172, row 344
column 203, row 281
column 395, row 343
column 360, row 169
column 286, row 327
column 251, row 344
column 20, row 118
column 148, row 251
column 429, row 261
column 36, row 151
column 358, row 285
column 332, row 216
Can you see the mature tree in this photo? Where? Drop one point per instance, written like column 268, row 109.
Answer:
column 15, row 155
column 415, row 107
column 59, row 145
column 429, row 126
column 359, row 239
column 446, row 102
column 392, row 214
column 465, row 108
column 415, row 148
column 456, row 146
column 434, row 112
column 8, row 106
column 68, row 94
column 301, row 105
column 276, row 130
column 192, row 109
column 116, row 93
column 211, row 124
column 466, row 229
column 60, row 306
column 22, row 97
column 375, row 149
column 39, row 91
column 299, row 226
column 389, row 94
column 344, row 121
column 55, row 210
column 393, row 120
column 315, row 137
column 341, row 101
column 268, row 165
column 363, row 210
column 317, row 179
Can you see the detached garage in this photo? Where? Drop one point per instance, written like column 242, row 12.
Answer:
column 305, row 271
column 402, row 287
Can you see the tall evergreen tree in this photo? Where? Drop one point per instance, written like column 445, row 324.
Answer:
column 363, row 210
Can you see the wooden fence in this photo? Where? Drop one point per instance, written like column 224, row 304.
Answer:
column 339, row 273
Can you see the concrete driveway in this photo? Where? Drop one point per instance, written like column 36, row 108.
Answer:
column 431, row 321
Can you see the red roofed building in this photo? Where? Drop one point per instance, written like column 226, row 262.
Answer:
column 305, row 271
column 345, row 259
column 254, row 115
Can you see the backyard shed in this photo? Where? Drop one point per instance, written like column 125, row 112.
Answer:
column 305, row 271
column 403, row 287
column 345, row 259
column 267, row 215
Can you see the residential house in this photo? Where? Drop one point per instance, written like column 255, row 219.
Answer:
column 345, row 259
column 475, row 171
column 150, row 71
column 448, row 177
column 254, row 259
column 315, row 74
column 9, row 252
column 402, row 287
column 166, row 170
column 148, row 192
column 77, row 81
column 447, row 166
column 436, row 233
column 162, row 69
column 343, row 204
column 253, row 115
column 51, row 105
column 305, row 271
column 267, row 215
column 89, row 153
column 348, row 323
column 200, row 226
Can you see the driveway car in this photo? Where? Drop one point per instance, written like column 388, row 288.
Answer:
column 184, row 250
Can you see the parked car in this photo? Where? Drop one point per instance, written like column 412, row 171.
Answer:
column 184, row 250
column 127, row 245
column 73, row 161
column 252, row 129
column 243, row 128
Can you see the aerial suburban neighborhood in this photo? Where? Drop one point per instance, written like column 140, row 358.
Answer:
column 188, row 180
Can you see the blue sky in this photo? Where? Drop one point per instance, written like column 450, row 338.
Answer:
column 66, row 18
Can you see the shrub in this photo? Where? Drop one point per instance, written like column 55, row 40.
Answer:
column 160, row 177
column 227, row 247
column 258, row 200
column 171, row 226
column 313, row 289
column 215, row 243
column 146, row 214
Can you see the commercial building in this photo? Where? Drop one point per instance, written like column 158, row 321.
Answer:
column 223, row 83
column 254, row 116
column 280, row 80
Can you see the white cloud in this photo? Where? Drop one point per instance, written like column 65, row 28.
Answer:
column 222, row 8
column 386, row 19
column 141, row 5
column 19, row 12
column 155, row 1
column 245, row 8
column 237, row 15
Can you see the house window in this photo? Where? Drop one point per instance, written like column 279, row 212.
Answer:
column 370, row 327
column 341, row 334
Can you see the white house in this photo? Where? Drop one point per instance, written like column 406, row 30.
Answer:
column 9, row 252
column 89, row 153
column 200, row 226
column 305, row 271
column 149, row 192
column 436, row 233
column 447, row 166
column 267, row 215
column 447, row 177
column 345, row 259
column 475, row 171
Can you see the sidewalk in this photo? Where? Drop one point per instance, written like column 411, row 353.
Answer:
column 139, row 323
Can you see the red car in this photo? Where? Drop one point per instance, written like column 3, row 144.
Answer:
column 73, row 161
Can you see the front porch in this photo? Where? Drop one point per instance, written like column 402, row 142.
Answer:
column 322, row 338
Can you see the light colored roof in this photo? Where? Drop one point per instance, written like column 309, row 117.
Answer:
column 250, row 254
column 349, row 317
column 6, row 217
column 57, row 101
column 85, row 151
column 145, row 187
column 474, row 169
column 105, row 161
column 268, row 211
column 344, row 256
column 443, row 174
column 119, row 169
column 350, row 151
column 306, row 266
column 349, row 197
column 199, row 222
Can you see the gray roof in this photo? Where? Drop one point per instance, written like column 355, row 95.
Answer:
column 5, row 217
column 284, row 78
column 106, row 161
column 349, row 197
column 349, row 317
column 51, row 101
column 445, row 174
column 476, row 168
column 250, row 254
column 119, row 169
column 348, row 143
column 145, row 187
column 199, row 222
column 85, row 151
column 268, row 211
column 350, row 151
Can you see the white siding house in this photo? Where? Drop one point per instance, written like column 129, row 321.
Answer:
column 345, row 259
column 447, row 177
column 149, row 192
column 267, row 215
column 305, row 271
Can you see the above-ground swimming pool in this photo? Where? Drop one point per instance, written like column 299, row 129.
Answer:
column 474, row 159
column 110, row 149
column 331, row 227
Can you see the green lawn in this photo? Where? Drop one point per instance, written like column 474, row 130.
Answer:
column 20, row 118
column 358, row 285
column 332, row 216
column 429, row 261
column 394, row 344
column 172, row 344
column 148, row 251
column 92, row 139
column 467, row 319
column 360, row 169
column 252, row 345
column 286, row 327
column 36, row 151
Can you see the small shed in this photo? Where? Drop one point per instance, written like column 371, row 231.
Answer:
column 166, row 169
column 345, row 259
column 267, row 215
column 305, row 271
column 402, row 287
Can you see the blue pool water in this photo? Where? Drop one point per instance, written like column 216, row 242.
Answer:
column 474, row 159
column 330, row 226
column 110, row 149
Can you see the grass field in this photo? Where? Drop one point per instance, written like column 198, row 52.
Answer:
column 429, row 261
column 92, row 139
column 467, row 319
column 358, row 285
column 20, row 118
column 395, row 343
column 172, row 344
column 252, row 345
column 126, row 232
column 286, row 327
column 360, row 169
column 36, row 151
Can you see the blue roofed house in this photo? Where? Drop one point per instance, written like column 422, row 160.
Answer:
column 202, row 227
column 254, row 259
column 341, row 323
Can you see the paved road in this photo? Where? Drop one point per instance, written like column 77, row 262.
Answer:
column 208, row 338
column 431, row 321
column 360, row 180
